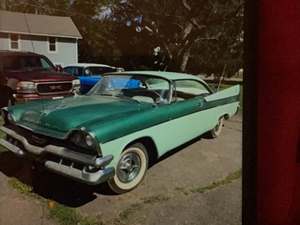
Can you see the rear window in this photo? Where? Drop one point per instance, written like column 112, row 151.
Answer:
column 93, row 70
column 76, row 71
column 191, row 87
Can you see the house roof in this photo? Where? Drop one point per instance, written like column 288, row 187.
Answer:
column 42, row 25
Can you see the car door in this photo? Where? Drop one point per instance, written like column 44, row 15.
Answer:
column 187, row 116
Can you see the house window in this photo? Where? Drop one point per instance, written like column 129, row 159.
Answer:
column 52, row 44
column 14, row 41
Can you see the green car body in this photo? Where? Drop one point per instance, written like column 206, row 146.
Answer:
column 115, row 123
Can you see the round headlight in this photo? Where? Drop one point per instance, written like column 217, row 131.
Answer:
column 89, row 140
column 76, row 138
column 83, row 139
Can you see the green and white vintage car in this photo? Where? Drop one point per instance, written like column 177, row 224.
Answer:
column 125, row 122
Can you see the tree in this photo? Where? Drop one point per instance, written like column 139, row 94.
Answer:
column 182, row 27
column 59, row 8
column 177, row 35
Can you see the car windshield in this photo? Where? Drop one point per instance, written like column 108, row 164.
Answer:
column 139, row 88
column 12, row 63
column 98, row 70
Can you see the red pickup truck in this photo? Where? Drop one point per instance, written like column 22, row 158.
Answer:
column 30, row 76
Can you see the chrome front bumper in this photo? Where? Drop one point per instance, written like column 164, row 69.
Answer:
column 101, row 175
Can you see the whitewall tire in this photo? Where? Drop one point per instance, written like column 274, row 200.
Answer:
column 130, row 170
column 216, row 131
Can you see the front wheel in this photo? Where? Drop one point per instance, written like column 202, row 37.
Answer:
column 130, row 170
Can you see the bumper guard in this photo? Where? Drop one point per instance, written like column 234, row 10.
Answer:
column 83, row 175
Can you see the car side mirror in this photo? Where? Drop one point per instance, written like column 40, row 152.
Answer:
column 59, row 68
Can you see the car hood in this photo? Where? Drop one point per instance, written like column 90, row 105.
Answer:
column 74, row 112
column 40, row 76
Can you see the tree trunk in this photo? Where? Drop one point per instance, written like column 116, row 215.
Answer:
column 185, row 59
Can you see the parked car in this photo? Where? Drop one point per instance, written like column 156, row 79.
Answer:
column 89, row 74
column 114, row 132
column 31, row 76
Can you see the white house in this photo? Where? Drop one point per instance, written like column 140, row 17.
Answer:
column 53, row 36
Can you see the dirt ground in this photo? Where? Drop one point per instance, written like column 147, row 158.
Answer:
column 188, row 186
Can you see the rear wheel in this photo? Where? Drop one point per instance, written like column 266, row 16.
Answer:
column 130, row 170
column 216, row 131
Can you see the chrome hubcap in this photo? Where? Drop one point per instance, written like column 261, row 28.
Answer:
column 129, row 167
column 217, row 128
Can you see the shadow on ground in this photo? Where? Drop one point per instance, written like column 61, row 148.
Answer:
column 56, row 187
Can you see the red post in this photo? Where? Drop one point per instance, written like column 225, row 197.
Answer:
column 278, row 114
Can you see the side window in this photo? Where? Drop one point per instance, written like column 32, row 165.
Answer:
column 15, row 42
column 186, row 89
column 45, row 64
column 69, row 70
column 52, row 44
column 76, row 71
column 157, row 84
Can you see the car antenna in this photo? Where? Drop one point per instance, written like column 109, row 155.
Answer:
column 221, row 77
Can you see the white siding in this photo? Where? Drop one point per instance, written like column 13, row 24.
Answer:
column 66, row 47
column 4, row 42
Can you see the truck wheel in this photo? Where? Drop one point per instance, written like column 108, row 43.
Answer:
column 130, row 170
column 216, row 131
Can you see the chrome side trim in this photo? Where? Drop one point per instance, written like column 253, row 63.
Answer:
column 55, row 150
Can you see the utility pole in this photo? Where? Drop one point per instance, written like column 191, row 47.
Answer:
column 3, row 4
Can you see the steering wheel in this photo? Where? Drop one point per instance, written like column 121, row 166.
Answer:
column 147, row 93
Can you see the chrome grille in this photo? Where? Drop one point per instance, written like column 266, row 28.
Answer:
column 41, row 140
column 54, row 88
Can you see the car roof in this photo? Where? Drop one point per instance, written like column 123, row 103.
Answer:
column 88, row 65
column 163, row 74
column 16, row 53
